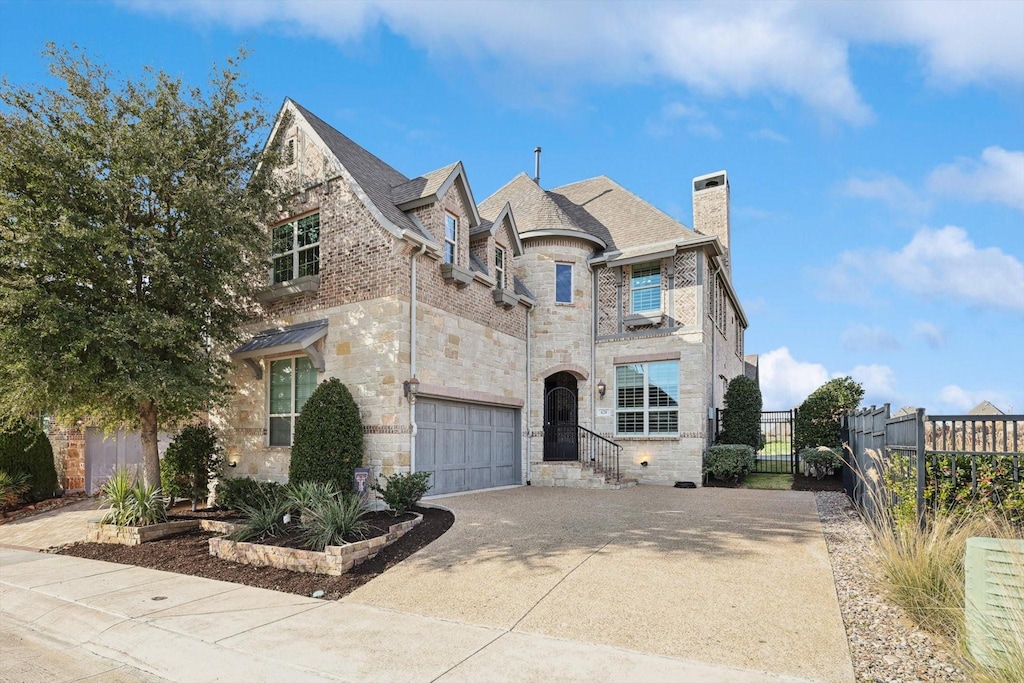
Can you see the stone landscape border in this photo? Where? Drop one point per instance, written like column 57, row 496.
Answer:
column 335, row 560
column 98, row 532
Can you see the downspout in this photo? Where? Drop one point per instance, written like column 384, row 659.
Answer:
column 593, row 345
column 412, row 354
column 713, row 409
column 529, row 433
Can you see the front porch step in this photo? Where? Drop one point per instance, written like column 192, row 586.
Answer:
column 573, row 474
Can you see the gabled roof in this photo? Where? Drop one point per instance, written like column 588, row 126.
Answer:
column 492, row 227
column 372, row 175
column 536, row 213
column 431, row 187
column 985, row 408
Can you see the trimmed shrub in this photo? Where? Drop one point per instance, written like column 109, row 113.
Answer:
column 821, row 460
column 741, row 419
column 191, row 459
column 402, row 491
column 729, row 462
column 236, row 493
column 328, row 442
column 24, row 449
column 818, row 418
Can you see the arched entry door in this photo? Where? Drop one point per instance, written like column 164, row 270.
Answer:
column 561, row 417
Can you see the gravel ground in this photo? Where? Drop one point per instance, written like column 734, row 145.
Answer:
column 884, row 644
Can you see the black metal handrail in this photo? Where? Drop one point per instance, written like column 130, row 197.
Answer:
column 598, row 452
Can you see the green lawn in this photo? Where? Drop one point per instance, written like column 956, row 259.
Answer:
column 774, row 482
column 776, row 448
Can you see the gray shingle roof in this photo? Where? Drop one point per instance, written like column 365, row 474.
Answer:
column 283, row 336
column 423, row 186
column 623, row 220
column 375, row 177
column 533, row 208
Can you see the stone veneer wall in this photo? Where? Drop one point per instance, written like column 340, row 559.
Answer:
column 335, row 560
column 68, row 456
column 134, row 535
column 561, row 333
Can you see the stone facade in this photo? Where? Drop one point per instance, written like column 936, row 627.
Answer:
column 97, row 532
column 68, row 456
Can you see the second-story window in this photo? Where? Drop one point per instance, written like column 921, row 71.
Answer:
column 295, row 248
column 451, row 243
column 499, row 267
column 563, row 283
column 645, row 287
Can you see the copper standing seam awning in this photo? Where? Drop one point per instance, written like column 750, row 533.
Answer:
column 301, row 337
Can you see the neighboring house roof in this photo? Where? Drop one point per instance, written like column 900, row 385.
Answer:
column 985, row 408
column 905, row 410
column 535, row 210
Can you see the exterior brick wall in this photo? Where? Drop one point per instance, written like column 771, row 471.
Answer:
column 68, row 456
column 711, row 217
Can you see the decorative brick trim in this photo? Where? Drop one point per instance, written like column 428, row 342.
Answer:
column 335, row 560
column 468, row 395
column 387, row 429
column 646, row 357
column 250, row 431
column 577, row 371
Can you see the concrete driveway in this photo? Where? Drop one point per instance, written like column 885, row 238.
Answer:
column 733, row 577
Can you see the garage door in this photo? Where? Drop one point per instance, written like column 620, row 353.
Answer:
column 467, row 446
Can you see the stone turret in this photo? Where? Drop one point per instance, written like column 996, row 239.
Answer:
column 711, row 211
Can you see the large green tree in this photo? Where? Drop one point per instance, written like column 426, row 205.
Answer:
column 819, row 416
column 130, row 242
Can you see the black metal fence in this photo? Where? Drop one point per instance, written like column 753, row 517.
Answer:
column 937, row 461
column 600, row 453
column 776, row 455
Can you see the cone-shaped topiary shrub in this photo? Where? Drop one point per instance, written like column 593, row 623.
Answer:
column 741, row 419
column 25, row 449
column 328, row 442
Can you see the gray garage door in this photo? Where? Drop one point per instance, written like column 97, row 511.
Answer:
column 467, row 446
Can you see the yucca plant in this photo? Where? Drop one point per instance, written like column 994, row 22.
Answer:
column 13, row 487
column 117, row 494
column 334, row 520
column 265, row 518
column 308, row 495
column 147, row 506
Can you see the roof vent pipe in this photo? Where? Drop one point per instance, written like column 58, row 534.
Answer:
column 536, row 165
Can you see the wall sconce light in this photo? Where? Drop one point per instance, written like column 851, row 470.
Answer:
column 412, row 387
column 232, row 463
column 601, row 388
column 644, row 463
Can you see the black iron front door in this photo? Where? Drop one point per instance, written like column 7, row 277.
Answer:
column 561, row 436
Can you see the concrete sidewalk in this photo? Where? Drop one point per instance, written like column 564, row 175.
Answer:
column 66, row 618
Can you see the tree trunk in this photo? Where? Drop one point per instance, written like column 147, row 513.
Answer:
column 150, row 452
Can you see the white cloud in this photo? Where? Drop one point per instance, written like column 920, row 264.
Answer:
column 937, row 264
column 932, row 334
column 695, row 119
column 956, row 399
column 797, row 50
column 786, row 382
column 770, row 135
column 861, row 337
column 997, row 177
column 888, row 189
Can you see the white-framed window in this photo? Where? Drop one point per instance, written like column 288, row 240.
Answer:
column 290, row 382
column 563, row 283
column 295, row 249
column 451, row 238
column 499, row 266
column 647, row 399
column 645, row 287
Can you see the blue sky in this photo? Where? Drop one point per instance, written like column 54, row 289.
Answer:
column 875, row 151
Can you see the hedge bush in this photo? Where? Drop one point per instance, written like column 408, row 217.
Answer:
column 191, row 460
column 818, row 418
column 402, row 491
column 741, row 419
column 24, row 449
column 822, row 460
column 729, row 462
column 237, row 493
column 328, row 443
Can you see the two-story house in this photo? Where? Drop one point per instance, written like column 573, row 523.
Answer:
column 491, row 344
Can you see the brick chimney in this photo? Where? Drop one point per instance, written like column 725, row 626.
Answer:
column 711, row 211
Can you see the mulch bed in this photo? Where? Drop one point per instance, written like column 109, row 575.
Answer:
column 379, row 523
column 189, row 553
